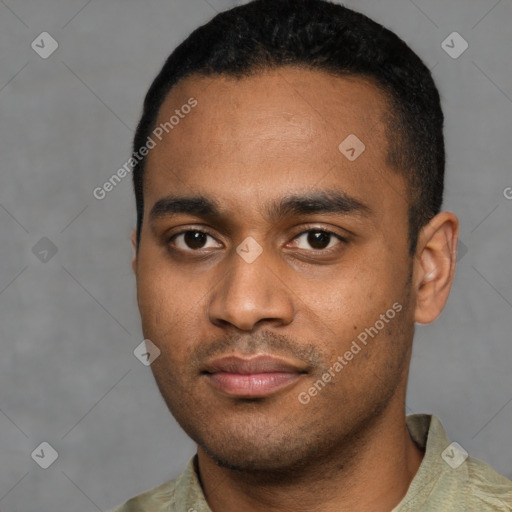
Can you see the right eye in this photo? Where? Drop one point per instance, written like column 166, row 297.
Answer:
column 191, row 240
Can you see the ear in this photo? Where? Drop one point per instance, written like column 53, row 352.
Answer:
column 134, row 250
column 434, row 266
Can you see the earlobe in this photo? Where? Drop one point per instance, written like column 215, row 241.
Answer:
column 435, row 266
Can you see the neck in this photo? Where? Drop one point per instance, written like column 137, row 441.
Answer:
column 371, row 471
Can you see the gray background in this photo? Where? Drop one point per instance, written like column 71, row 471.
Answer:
column 69, row 325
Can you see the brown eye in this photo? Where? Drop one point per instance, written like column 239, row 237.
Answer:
column 317, row 239
column 192, row 240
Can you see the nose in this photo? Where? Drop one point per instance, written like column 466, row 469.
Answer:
column 251, row 293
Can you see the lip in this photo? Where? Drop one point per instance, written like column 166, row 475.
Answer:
column 253, row 377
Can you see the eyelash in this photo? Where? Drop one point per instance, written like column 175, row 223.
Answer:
column 309, row 230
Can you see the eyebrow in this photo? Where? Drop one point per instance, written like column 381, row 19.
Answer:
column 327, row 201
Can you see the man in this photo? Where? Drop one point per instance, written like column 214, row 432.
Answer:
column 288, row 172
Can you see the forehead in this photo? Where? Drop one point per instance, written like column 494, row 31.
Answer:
column 271, row 134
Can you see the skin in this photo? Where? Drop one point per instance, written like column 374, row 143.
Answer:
column 249, row 143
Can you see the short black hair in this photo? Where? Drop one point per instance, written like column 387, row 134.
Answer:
column 318, row 34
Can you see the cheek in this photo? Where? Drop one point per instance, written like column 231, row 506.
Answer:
column 170, row 306
column 352, row 300
column 158, row 299
column 349, row 295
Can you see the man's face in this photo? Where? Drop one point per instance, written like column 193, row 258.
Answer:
column 214, row 304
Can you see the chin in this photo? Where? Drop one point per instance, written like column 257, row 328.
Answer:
column 251, row 445
column 255, row 460
column 260, row 449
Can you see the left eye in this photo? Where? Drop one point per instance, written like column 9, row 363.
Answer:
column 317, row 239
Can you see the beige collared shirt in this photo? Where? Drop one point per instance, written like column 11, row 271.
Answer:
column 446, row 481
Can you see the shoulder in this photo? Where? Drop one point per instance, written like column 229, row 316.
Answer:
column 181, row 494
column 448, row 478
column 156, row 499
column 487, row 490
